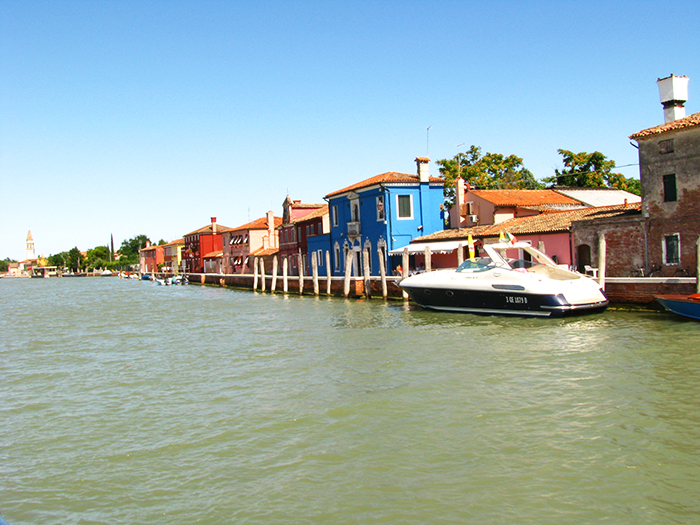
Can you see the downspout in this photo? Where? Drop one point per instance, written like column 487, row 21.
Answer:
column 387, row 206
column 574, row 263
column 330, row 237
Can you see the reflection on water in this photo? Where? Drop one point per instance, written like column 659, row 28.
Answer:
column 124, row 402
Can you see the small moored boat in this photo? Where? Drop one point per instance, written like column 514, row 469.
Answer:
column 512, row 279
column 685, row 305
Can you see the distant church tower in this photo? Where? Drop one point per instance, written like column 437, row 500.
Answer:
column 29, row 254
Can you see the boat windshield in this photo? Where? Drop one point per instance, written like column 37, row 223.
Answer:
column 480, row 264
column 521, row 263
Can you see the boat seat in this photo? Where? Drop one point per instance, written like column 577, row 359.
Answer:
column 592, row 271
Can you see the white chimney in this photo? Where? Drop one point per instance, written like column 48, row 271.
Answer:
column 213, row 225
column 271, row 229
column 423, row 164
column 673, row 93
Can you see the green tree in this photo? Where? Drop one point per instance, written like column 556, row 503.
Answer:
column 75, row 260
column 97, row 255
column 5, row 265
column 590, row 170
column 58, row 260
column 130, row 249
column 490, row 171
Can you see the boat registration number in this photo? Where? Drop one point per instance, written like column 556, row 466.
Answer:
column 511, row 299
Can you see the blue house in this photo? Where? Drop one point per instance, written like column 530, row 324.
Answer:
column 383, row 213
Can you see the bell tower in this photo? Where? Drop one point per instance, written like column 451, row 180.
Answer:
column 29, row 252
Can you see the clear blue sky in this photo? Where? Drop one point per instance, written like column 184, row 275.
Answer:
column 128, row 118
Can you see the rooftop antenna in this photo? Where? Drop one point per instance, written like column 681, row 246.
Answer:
column 427, row 141
column 459, row 160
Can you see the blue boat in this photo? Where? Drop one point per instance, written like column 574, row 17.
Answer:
column 685, row 305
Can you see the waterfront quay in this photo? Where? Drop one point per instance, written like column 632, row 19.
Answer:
column 633, row 291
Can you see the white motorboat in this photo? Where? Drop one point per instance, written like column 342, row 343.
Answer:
column 513, row 279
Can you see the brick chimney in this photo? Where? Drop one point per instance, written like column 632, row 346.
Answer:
column 673, row 93
column 213, row 225
column 423, row 164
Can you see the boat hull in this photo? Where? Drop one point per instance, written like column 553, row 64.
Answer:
column 680, row 305
column 501, row 302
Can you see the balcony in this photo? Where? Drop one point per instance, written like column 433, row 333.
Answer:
column 354, row 228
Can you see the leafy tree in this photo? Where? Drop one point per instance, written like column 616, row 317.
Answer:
column 5, row 265
column 97, row 254
column 590, row 170
column 130, row 249
column 490, row 171
column 75, row 260
column 58, row 260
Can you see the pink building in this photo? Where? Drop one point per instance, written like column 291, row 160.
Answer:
column 290, row 235
column 549, row 232
column 482, row 207
column 259, row 238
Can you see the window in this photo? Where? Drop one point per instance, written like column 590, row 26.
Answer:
column 335, row 215
column 320, row 257
column 670, row 194
column 355, row 211
column 336, row 256
column 672, row 249
column 405, row 206
column 380, row 208
column 666, row 146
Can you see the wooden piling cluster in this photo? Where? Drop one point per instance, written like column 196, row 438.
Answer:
column 347, row 285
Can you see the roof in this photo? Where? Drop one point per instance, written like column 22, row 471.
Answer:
column 265, row 252
column 214, row 255
column 690, row 121
column 176, row 242
column 600, row 196
column 547, row 222
column 257, row 224
column 208, row 229
column 320, row 212
column 525, row 197
column 390, row 177
column 152, row 247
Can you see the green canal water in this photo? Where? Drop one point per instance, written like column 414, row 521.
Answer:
column 122, row 402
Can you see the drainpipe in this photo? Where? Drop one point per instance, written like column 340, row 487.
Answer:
column 647, row 225
column 387, row 208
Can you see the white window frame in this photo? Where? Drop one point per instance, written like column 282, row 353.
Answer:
column 381, row 209
column 663, row 250
column 398, row 208
column 335, row 216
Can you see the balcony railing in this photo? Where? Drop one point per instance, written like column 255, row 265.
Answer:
column 354, row 228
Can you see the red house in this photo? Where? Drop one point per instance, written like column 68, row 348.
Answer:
column 202, row 242
column 150, row 257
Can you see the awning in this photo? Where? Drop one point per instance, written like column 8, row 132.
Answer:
column 435, row 247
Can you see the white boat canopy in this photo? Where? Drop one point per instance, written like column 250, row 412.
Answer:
column 435, row 247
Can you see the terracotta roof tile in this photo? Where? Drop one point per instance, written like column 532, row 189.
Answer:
column 207, row 229
column 389, row 177
column 320, row 212
column 525, row 197
column 547, row 222
column 265, row 252
column 258, row 224
column 687, row 122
